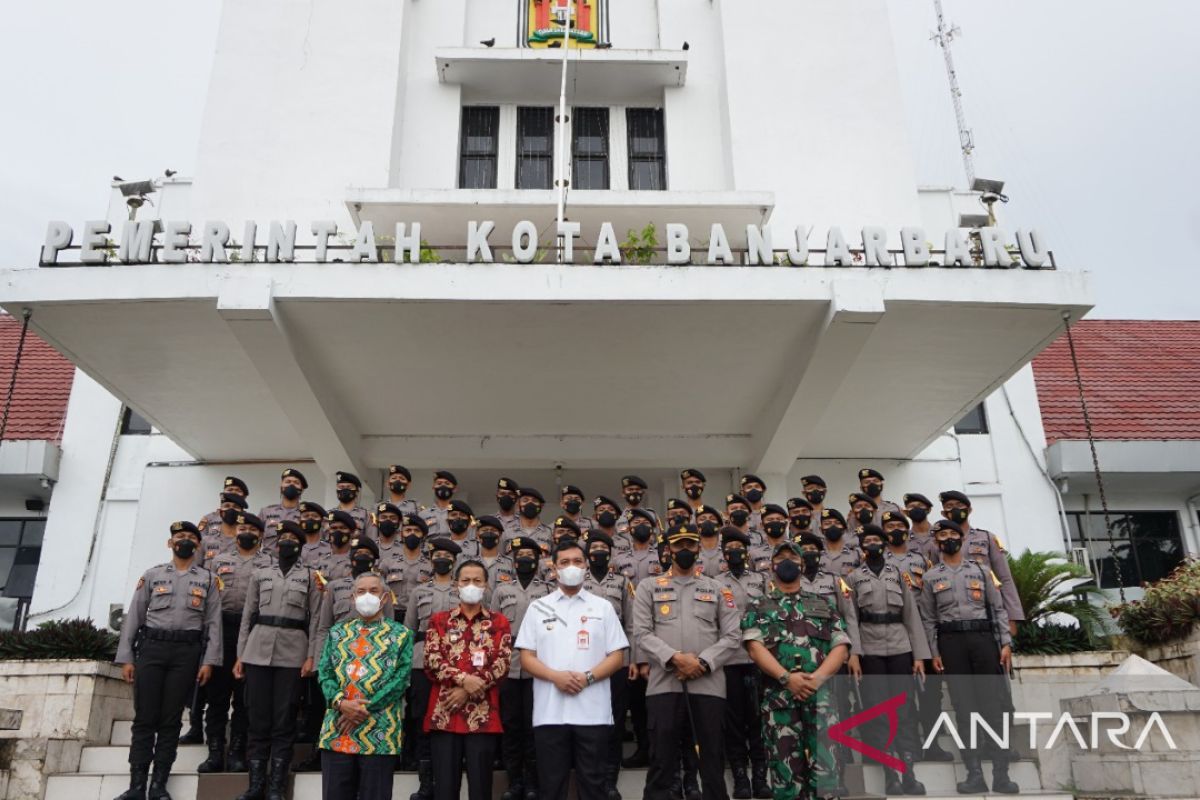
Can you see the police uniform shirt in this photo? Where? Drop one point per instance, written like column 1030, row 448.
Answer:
column 294, row 596
column 210, row 524
column 884, row 505
column 912, row 565
column 362, row 518
column 276, row 512
column 512, row 600
column 742, row 589
column 408, row 508
column 840, row 561
column 760, row 555
column 175, row 600
column 961, row 593
column 334, row 565
column 619, row 592
column 874, row 597
column 510, row 525
column 313, row 554
column 673, row 613
column 712, row 562
column 388, row 553
column 426, row 600
column 435, row 519
column 541, row 533
column 575, row 633
column 985, row 549
column 836, row 591
column 403, row 575
column 468, row 547
column 500, row 570
column 234, row 572
column 637, row 565
column 213, row 546
column 925, row 544
column 754, row 524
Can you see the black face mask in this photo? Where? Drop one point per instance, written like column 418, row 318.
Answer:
column 443, row 492
column 634, row 498
column 802, row 522
column 775, row 529
column 754, row 495
column 918, row 514
column 835, row 533
column 606, row 519
column 787, row 571
column 694, row 492
column 950, row 546
column 531, row 510
column 572, row 507
column 864, row 515
column 958, row 515
column 815, row 497
column 339, row 538
column 184, row 548
column 739, row 517
column 412, row 541
column 361, row 564
column 641, row 533
column 442, row 566
column 288, row 549
column 229, row 516
column 896, row 538
column 736, row 560
column 310, row 525
column 873, row 490
column 346, row 495
column 290, row 492
column 506, row 502
column 247, row 541
column 526, row 565
column 458, row 525
column 599, row 562
column 388, row 528
column 489, row 540
column 708, row 529
column 812, row 562
column 874, row 551
column 397, row 487
column 686, row 559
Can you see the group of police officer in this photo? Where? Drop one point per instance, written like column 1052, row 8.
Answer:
column 714, row 602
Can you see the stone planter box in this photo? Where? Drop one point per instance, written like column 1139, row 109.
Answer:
column 1178, row 658
column 64, row 706
column 1040, row 682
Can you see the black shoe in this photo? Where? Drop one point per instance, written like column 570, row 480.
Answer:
column 158, row 783
column 758, row 781
column 277, row 783
column 310, row 763
column 236, row 760
column 891, row 782
column 908, row 781
column 638, row 759
column 691, row 788
column 257, row 788
column 974, row 784
column 741, row 784
column 425, row 775
column 139, row 774
column 611, row 792
column 216, row 758
column 515, row 791
column 1001, row 783
column 531, row 793
column 193, row 736
column 936, row 753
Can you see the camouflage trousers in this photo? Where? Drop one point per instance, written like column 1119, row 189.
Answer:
column 799, row 757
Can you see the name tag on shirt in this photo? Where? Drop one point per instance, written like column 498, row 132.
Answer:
column 477, row 658
column 583, row 641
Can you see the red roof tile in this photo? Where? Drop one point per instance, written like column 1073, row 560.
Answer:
column 1141, row 379
column 39, row 404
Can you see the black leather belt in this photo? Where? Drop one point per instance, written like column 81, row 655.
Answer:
column 886, row 618
column 965, row 626
column 164, row 635
column 282, row 622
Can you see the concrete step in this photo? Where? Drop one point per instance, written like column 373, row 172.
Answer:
column 122, row 732
column 938, row 777
column 106, row 787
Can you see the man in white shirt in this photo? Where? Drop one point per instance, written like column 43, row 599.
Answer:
column 571, row 642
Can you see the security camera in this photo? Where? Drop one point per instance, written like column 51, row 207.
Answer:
column 136, row 188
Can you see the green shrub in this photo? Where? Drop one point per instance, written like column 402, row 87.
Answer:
column 1051, row 639
column 59, row 639
column 1168, row 611
column 1048, row 585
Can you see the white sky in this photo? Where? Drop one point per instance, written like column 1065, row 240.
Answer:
column 1089, row 110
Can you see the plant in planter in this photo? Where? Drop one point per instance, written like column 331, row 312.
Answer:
column 59, row 639
column 1167, row 612
column 639, row 247
column 1049, row 585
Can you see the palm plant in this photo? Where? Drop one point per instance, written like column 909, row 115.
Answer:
column 1048, row 585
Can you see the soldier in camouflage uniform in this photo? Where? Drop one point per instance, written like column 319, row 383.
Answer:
column 798, row 641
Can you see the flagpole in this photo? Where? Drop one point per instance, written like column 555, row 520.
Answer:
column 561, row 164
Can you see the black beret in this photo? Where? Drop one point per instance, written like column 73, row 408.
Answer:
column 751, row 478
column 708, row 510
column 786, row 544
column 238, row 482
column 692, row 472
column 445, row 545
column 568, row 523
column 685, row 531
column 596, row 536
column 798, row 502
column 867, row 472
column 508, row 484
column 569, row 489
column 524, row 543
column 894, row 516
column 347, row 477
column 675, row 503
column 236, row 499
column 808, row 537
column 287, row 526
column 633, row 480
column 955, row 495
column 856, row 497
column 601, row 500
column 364, row 542
column 295, row 473
column 730, row 499
column 919, row 498
column 252, row 520
column 307, row 506
column 833, row 513
column 184, row 526
column 772, row 508
column 643, row 513
column 461, row 507
column 947, row 525
column 488, row 521
column 870, row 530
column 399, row 469
column 414, row 520
column 445, row 475
column 388, row 508
column 529, row 491
column 815, row 480
column 342, row 517
column 732, row 534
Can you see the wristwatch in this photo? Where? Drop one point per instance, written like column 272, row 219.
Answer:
column 590, row 677
column 783, row 678
column 705, row 665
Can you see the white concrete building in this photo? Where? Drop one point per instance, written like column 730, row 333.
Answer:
column 691, row 112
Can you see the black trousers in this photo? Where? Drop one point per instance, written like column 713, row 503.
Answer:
column 635, row 698
column 164, row 679
column 743, row 716
column 618, row 689
column 224, row 691
column 972, row 664
column 313, row 701
column 347, row 777
column 450, row 751
column 929, row 699
column 516, row 714
column 419, row 690
column 271, row 694
column 667, row 724
column 885, row 677
column 563, row 747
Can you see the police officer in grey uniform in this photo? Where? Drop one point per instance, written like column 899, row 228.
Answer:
column 341, row 528
column 170, row 642
column 774, row 521
column 439, row 594
column 602, row 580
column 692, row 482
column 893, row 650
column 571, row 499
column 292, row 484
column 512, row 599
column 460, row 521
column 489, row 532
column 754, row 489
column 633, row 488
column 606, row 512
column 506, row 501
column 967, row 628
column 348, row 488
column 737, row 514
column 314, row 547
column 529, row 508
column 743, row 724
column 385, row 523
column 984, row 548
column 275, row 650
column 685, row 633
column 680, row 511
column 210, row 523
column 863, row 510
column 444, row 486
column 814, row 490
column 410, row 567
column 399, row 479
column 712, row 557
column 841, row 553
column 920, row 536
column 233, row 571
column 221, row 537
column 800, row 516
column 870, row 483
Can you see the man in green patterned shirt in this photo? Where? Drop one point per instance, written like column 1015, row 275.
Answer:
column 364, row 672
column 799, row 642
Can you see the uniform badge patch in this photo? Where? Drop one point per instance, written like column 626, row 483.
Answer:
column 664, row 609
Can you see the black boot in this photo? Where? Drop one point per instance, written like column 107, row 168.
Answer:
column 138, row 775
column 909, row 780
column 277, row 783
column 758, row 780
column 194, row 734
column 891, row 782
column 741, row 783
column 158, row 783
column 974, row 784
column 216, row 757
column 611, row 792
column 638, row 759
column 257, row 788
column 425, row 776
column 936, row 753
column 236, row 761
column 516, row 788
column 1001, row 783
column 531, row 780
column 691, row 786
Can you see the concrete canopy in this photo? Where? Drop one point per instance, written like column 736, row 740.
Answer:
column 500, row 365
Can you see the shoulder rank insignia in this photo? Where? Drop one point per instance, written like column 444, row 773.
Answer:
column 630, row 588
column 995, row 580
column 220, row 584
column 998, row 543
column 141, row 582
column 844, row 587
column 663, row 581
column 728, row 595
column 321, row 582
